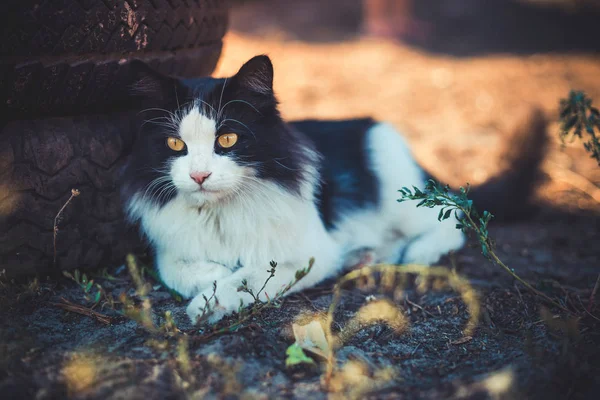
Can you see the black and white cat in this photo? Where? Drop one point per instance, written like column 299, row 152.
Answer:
column 222, row 185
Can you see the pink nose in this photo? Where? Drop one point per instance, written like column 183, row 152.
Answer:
column 200, row 177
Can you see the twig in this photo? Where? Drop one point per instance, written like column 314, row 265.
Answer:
column 419, row 307
column 74, row 193
column 412, row 353
column 79, row 309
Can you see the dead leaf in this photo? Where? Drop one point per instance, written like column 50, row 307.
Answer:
column 311, row 337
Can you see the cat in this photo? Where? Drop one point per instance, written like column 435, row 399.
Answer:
column 221, row 185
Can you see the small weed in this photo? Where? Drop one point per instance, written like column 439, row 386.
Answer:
column 295, row 355
column 33, row 286
column 244, row 287
column 141, row 311
column 576, row 115
column 104, row 274
column 183, row 359
column 469, row 221
column 245, row 313
column 92, row 292
column 74, row 193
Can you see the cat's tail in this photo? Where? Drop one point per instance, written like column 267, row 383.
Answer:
column 508, row 195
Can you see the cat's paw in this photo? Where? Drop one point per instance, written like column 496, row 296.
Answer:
column 228, row 302
column 422, row 255
column 429, row 248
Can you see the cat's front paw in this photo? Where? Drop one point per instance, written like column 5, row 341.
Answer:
column 228, row 302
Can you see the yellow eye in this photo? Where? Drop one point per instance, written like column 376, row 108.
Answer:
column 227, row 140
column 175, row 144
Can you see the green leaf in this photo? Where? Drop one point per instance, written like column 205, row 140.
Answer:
column 295, row 356
column 441, row 214
column 447, row 214
column 484, row 249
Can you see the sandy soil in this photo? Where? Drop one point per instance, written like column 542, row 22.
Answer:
column 457, row 113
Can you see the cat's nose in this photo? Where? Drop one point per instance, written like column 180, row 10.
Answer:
column 199, row 177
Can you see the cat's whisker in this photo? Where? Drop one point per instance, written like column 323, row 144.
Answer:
column 165, row 170
column 155, row 109
column 211, row 107
column 221, row 99
column 167, row 124
column 286, row 167
column 240, row 101
column 166, row 192
column 151, row 187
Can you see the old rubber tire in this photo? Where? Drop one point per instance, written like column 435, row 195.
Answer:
column 67, row 57
column 67, row 122
column 41, row 162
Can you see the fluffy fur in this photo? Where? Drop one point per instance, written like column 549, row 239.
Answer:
column 283, row 192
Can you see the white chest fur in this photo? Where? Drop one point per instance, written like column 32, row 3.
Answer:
column 249, row 231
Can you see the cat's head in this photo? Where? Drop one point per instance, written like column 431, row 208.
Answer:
column 213, row 139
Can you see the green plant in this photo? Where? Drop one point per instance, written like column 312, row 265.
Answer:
column 469, row 222
column 93, row 292
column 295, row 355
column 576, row 115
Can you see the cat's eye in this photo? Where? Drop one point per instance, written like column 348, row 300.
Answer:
column 227, row 140
column 175, row 144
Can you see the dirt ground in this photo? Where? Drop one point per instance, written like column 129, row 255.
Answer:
column 457, row 109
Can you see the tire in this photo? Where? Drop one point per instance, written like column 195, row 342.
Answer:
column 42, row 161
column 66, row 120
column 66, row 57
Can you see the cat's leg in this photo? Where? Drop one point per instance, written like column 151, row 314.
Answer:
column 189, row 277
column 428, row 247
column 391, row 251
column 229, row 298
column 420, row 237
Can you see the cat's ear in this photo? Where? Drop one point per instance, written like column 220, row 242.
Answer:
column 256, row 75
column 149, row 84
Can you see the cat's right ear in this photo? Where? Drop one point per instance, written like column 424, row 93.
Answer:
column 150, row 85
column 256, row 75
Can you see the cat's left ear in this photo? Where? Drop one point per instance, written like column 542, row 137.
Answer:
column 256, row 75
column 148, row 84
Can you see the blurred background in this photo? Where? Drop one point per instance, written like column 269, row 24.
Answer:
column 455, row 76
